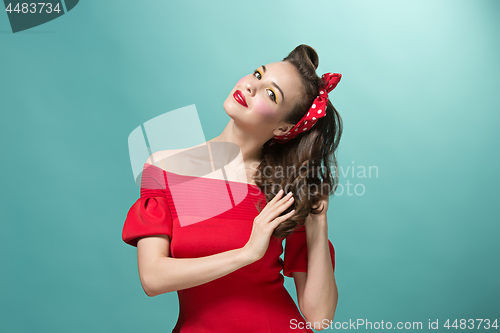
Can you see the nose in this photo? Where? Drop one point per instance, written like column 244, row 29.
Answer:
column 250, row 89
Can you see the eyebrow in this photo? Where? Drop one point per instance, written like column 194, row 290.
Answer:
column 274, row 84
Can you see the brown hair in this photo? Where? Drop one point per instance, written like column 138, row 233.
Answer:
column 303, row 164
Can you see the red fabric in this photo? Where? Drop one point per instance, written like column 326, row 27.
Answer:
column 147, row 216
column 250, row 299
column 317, row 110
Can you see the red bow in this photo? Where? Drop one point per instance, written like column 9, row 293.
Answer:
column 316, row 111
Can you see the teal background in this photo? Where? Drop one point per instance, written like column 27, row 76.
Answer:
column 419, row 100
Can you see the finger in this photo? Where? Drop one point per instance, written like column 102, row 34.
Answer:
column 283, row 205
column 280, row 209
column 268, row 207
column 274, row 200
column 285, row 199
column 287, row 196
column 283, row 218
column 276, row 197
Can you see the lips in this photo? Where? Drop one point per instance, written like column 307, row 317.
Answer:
column 238, row 96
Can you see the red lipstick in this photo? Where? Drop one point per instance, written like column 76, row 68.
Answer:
column 238, row 96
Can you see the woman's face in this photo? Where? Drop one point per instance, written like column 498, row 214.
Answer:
column 260, row 100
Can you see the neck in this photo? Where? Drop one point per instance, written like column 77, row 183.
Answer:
column 250, row 145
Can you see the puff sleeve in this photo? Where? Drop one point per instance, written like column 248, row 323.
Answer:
column 150, row 214
column 295, row 259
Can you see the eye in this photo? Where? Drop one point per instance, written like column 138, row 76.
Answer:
column 272, row 95
column 270, row 92
column 257, row 74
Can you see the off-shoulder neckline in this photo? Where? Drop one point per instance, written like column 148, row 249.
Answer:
column 232, row 181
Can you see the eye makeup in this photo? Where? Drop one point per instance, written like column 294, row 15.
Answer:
column 272, row 95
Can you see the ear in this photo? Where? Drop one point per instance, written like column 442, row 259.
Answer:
column 283, row 129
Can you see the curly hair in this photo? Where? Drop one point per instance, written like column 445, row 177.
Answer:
column 303, row 164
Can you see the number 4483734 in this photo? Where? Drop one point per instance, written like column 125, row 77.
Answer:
column 33, row 8
column 471, row 323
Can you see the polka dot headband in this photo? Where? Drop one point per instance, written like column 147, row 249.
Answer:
column 316, row 111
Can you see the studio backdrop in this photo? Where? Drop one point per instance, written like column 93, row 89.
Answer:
column 414, row 221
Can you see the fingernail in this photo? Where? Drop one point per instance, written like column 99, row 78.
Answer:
column 280, row 191
column 289, row 193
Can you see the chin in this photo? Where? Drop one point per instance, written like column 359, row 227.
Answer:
column 231, row 108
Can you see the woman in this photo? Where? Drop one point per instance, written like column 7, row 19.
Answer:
column 226, row 265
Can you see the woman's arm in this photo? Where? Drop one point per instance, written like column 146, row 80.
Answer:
column 159, row 273
column 317, row 292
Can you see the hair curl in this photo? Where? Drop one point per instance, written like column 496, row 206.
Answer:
column 309, row 156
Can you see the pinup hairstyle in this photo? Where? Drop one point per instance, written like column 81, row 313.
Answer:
column 303, row 164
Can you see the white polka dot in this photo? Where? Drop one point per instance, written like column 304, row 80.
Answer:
column 308, row 113
column 305, row 128
column 313, row 106
column 331, row 85
column 296, row 129
column 319, row 111
column 305, row 122
column 314, row 118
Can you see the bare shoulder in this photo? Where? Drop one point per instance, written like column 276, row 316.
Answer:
column 160, row 157
column 156, row 157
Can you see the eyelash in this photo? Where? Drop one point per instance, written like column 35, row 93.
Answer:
column 273, row 97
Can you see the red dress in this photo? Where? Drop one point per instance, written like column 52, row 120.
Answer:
column 202, row 217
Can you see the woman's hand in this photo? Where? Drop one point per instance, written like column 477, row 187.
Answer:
column 265, row 223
